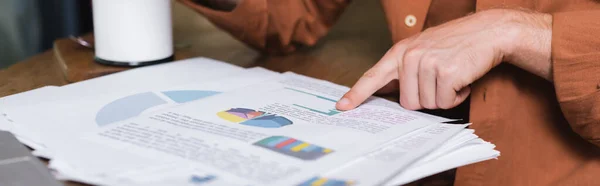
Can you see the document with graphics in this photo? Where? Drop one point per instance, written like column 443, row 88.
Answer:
column 462, row 149
column 86, row 113
column 201, row 121
column 28, row 113
column 280, row 132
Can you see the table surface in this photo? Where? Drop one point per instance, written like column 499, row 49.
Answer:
column 352, row 46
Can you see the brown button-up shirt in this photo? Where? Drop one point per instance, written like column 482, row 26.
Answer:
column 548, row 132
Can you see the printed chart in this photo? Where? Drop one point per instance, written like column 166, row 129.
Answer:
column 293, row 147
column 329, row 112
column 254, row 118
column 133, row 105
column 318, row 181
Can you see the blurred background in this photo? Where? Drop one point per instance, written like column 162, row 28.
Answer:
column 28, row 27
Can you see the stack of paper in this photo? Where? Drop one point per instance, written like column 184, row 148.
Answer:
column 204, row 121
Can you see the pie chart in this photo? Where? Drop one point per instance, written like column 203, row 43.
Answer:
column 254, row 118
column 133, row 105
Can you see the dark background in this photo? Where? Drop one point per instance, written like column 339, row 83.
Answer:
column 28, row 27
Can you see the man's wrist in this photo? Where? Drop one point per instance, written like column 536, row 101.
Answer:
column 529, row 43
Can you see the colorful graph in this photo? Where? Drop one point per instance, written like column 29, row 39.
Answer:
column 318, row 181
column 329, row 112
column 293, row 147
column 254, row 118
column 133, row 105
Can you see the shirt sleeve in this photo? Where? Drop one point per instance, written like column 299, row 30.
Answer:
column 276, row 26
column 576, row 70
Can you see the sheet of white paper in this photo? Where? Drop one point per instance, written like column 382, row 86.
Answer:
column 184, row 174
column 159, row 76
column 173, row 174
column 359, row 171
column 459, row 157
column 42, row 153
column 25, row 99
column 460, row 140
column 28, row 97
column 67, row 173
column 456, row 142
column 296, row 127
column 22, row 99
column 382, row 165
column 163, row 174
column 155, row 77
column 87, row 113
column 5, row 125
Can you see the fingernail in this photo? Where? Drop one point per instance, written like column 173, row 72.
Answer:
column 344, row 102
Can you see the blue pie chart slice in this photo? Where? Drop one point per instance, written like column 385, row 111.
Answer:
column 184, row 96
column 133, row 105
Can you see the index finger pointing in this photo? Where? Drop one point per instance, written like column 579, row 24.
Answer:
column 371, row 81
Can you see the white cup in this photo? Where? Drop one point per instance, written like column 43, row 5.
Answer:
column 132, row 32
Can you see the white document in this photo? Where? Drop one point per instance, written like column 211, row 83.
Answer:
column 456, row 142
column 58, row 122
column 23, row 99
column 159, row 174
column 280, row 132
column 5, row 125
column 462, row 149
column 464, row 155
column 155, row 77
column 158, row 76
column 200, row 121
column 384, row 164
column 28, row 97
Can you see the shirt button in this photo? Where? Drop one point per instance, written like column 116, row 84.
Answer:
column 410, row 20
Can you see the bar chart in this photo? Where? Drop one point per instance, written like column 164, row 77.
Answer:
column 293, row 147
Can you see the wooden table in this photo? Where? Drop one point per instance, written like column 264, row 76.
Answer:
column 353, row 45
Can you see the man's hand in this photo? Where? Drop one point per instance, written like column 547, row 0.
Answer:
column 435, row 68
